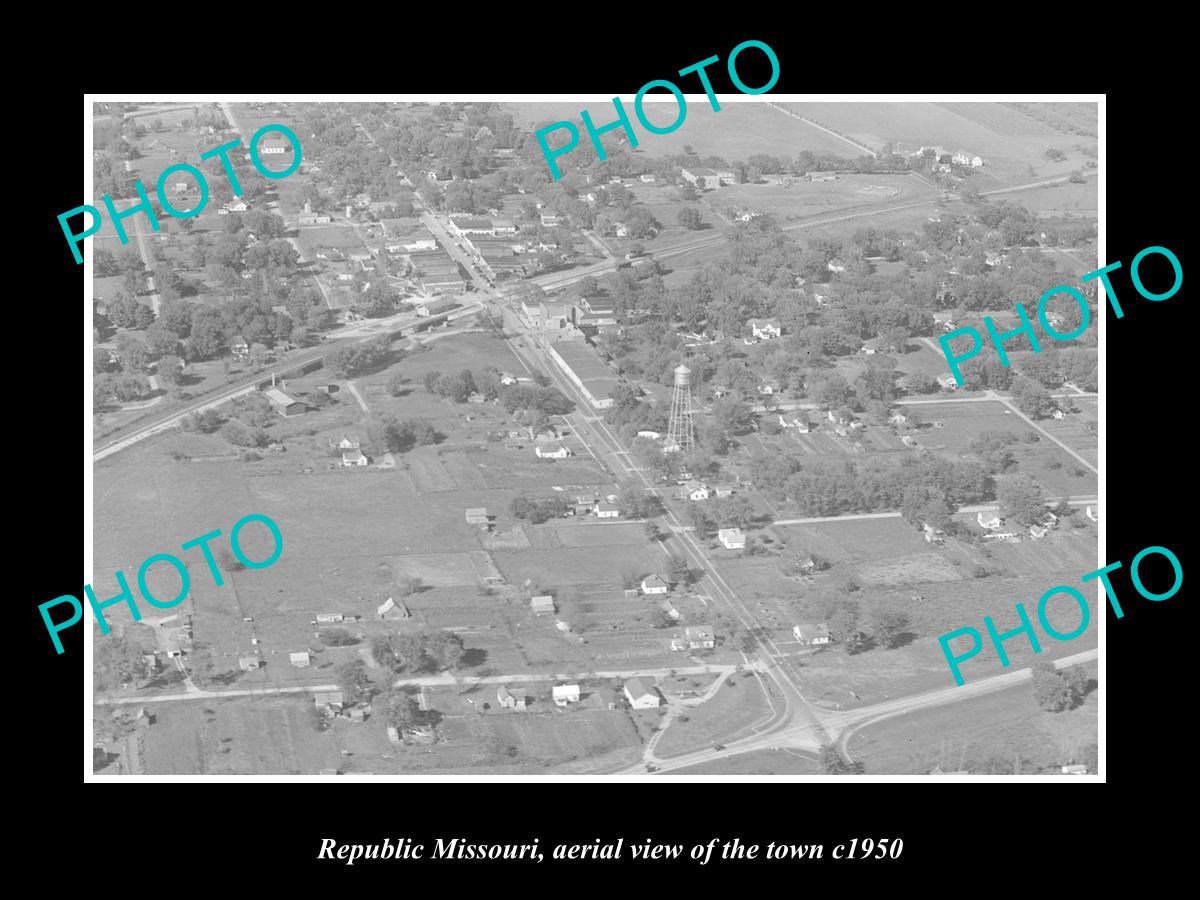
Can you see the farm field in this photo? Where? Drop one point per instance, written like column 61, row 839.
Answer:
column 1000, row 728
column 1010, row 142
column 740, row 129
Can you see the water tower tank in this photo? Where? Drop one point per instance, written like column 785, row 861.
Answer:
column 683, row 376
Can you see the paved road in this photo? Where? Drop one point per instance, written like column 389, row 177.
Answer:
column 842, row 724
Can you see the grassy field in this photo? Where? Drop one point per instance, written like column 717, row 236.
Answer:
column 1007, row 726
column 760, row 762
column 739, row 130
column 806, row 199
column 737, row 705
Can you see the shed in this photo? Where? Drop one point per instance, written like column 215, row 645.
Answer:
column 300, row 659
column 542, row 604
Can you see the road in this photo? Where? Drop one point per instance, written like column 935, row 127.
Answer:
column 126, row 438
column 445, row 680
column 841, row 725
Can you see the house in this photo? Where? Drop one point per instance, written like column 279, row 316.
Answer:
column 807, row 566
column 694, row 490
column 932, row 535
column 694, row 175
column 723, row 490
column 249, row 663
column 389, row 609
column 1037, row 532
column 239, row 348
column 285, row 404
column 478, row 515
column 347, row 444
column 508, row 700
column 724, row 176
column 640, row 696
column 542, row 605
column 551, row 221
column 947, row 382
column 507, row 378
column 354, row 458
column 564, row 694
column 152, row 663
column 1058, row 414
column 694, row 637
column 606, row 510
column 551, row 451
column 328, row 619
column 301, row 659
column 813, row 635
column 654, row 584
column 765, row 329
column 837, row 417
column 1075, row 770
column 669, row 608
column 732, row 538
column 650, row 435
column 871, row 347
column 237, row 206
column 836, row 266
column 898, row 418
column 1093, row 513
column 147, row 718
column 329, row 702
column 990, row 521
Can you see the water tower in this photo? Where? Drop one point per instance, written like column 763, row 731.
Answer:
column 680, row 432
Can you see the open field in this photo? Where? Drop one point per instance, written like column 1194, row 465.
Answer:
column 739, row 130
column 1010, row 142
column 737, row 706
column 760, row 762
column 806, row 199
column 1000, row 729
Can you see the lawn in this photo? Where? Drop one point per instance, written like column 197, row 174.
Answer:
column 738, row 705
column 1004, row 728
column 806, row 199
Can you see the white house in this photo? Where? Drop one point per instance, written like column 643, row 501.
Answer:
column 1037, row 532
column 552, row 451
column 732, row 538
column 990, row 521
column 765, row 329
column 354, row 458
column 300, row 660
column 695, row 490
column 694, row 637
column 606, row 510
column 947, row 382
column 812, row 634
column 653, row 584
column 640, row 696
column 508, row 700
column 564, row 694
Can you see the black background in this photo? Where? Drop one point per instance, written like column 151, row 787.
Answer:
column 977, row 832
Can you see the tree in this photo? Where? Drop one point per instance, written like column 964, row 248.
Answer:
column 401, row 710
column 635, row 504
column 353, row 681
column 689, row 218
column 1021, row 499
column 883, row 625
column 135, row 355
column 117, row 661
column 678, row 570
column 1050, row 689
column 168, row 370
column 832, row 763
column 444, row 650
column 1032, row 398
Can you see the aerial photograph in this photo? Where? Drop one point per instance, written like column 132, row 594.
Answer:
column 657, row 468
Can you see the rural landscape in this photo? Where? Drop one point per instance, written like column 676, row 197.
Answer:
column 656, row 469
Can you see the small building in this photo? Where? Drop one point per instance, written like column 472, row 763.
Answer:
column 650, row 435
column 354, row 458
column 989, row 520
column 723, row 490
column 478, row 515
column 1037, row 532
column 550, row 221
column 328, row 619
column 300, row 659
column 329, row 702
column 607, row 510
column 284, row 404
column 348, row 444
column 1075, row 769
column 654, row 584
column 1093, row 513
column 694, row 637
column 508, row 700
column 947, row 382
column 249, row 663
column 641, row 696
column 694, row 490
column 669, row 608
column 436, row 307
column 732, row 538
column 542, row 605
column 552, row 451
column 932, row 535
column 145, row 717
column 812, row 635
column 897, row 418
column 564, row 694
column 696, row 174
